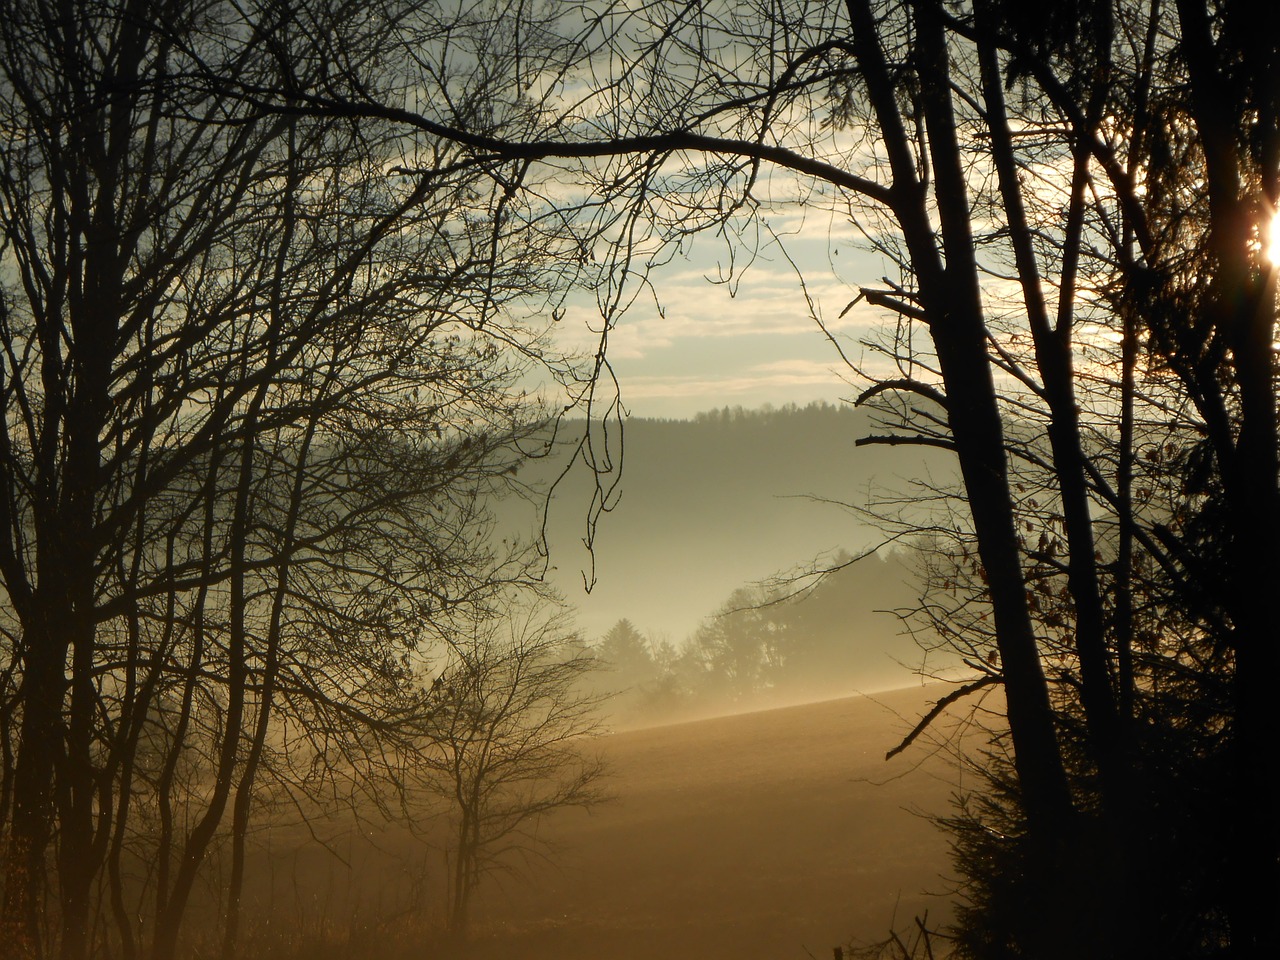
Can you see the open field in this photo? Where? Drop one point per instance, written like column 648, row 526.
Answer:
column 762, row 835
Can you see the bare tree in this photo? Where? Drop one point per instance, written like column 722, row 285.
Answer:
column 1044, row 184
column 256, row 384
column 508, row 741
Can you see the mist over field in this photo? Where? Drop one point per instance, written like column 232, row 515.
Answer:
column 747, row 808
column 729, row 511
column 774, row 835
column 713, row 503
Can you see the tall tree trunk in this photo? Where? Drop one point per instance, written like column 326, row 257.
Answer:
column 171, row 916
column 30, row 830
column 1055, row 365
column 953, row 304
column 270, row 673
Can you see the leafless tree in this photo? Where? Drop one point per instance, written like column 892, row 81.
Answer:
column 1075, row 200
column 258, row 374
column 508, row 741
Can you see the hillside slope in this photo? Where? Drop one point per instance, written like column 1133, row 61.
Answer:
column 749, row 837
column 709, row 505
column 774, row 835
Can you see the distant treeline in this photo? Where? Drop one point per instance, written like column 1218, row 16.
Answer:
column 767, row 645
column 703, row 506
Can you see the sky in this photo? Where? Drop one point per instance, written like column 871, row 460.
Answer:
column 694, row 344
column 691, row 344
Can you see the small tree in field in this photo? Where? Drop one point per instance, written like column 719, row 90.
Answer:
column 508, row 743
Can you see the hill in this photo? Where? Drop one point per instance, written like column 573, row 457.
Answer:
column 707, row 505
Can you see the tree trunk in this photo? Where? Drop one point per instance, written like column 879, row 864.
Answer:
column 1242, row 306
column 32, row 821
column 953, row 305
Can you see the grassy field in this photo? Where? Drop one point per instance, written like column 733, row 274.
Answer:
column 778, row 835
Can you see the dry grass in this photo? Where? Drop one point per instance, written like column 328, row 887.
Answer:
column 768, row 835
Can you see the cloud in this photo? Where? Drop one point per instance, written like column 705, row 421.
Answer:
column 684, row 305
column 759, row 379
column 687, row 343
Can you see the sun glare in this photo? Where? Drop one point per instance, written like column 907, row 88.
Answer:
column 1273, row 240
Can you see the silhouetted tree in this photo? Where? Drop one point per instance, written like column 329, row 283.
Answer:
column 625, row 650
column 508, row 741
column 254, row 385
column 741, row 650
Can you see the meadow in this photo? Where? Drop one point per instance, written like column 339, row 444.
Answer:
column 777, row 834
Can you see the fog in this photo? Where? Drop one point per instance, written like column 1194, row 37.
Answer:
column 775, row 835
column 722, row 513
